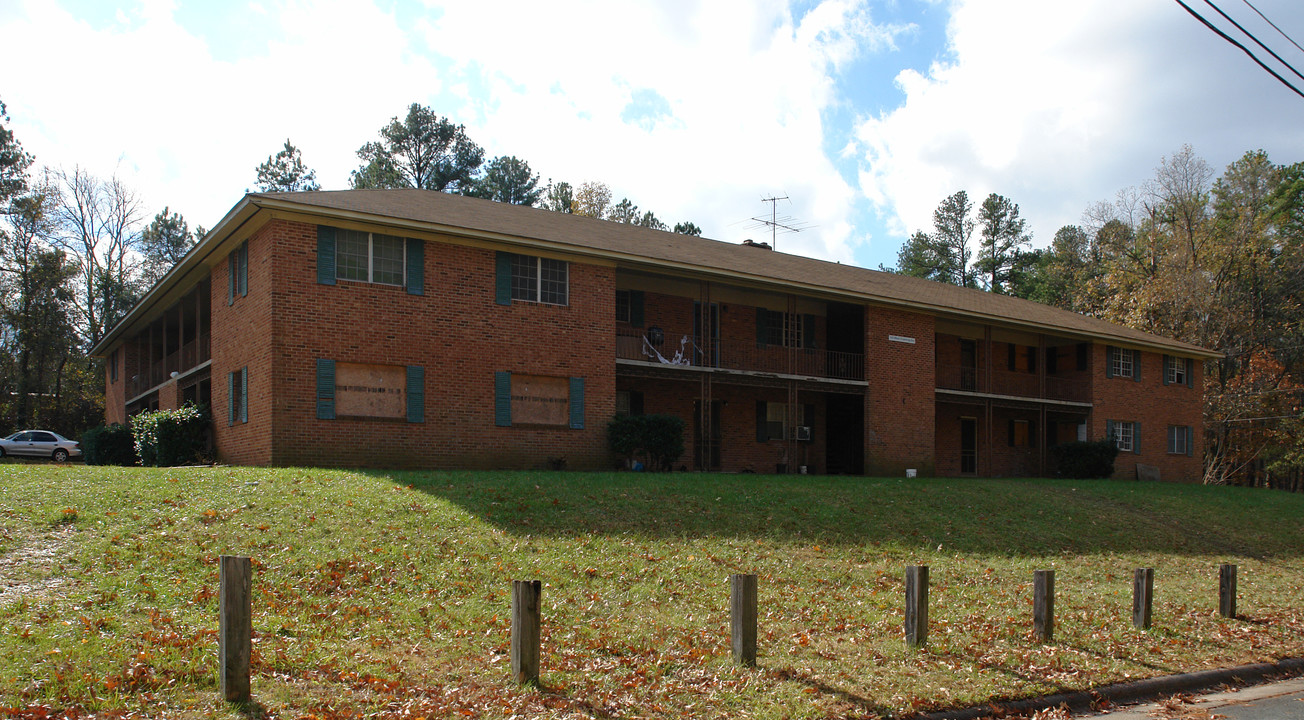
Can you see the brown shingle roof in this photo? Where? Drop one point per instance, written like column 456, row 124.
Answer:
column 634, row 246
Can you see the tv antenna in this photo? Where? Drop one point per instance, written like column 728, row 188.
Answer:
column 777, row 222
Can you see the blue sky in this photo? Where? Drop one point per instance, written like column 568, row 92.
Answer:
column 864, row 114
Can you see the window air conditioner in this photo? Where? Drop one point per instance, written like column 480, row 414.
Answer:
column 802, row 432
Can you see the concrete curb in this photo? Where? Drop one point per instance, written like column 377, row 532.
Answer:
column 1128, row 692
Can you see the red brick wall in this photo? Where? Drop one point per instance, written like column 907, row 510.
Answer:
column 115, row 393
column 899, row 406
column 740, row 451
column 241, row 336
column 1155, row 406
column 458, row 334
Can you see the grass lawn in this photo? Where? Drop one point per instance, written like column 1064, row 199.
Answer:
column 387, row 593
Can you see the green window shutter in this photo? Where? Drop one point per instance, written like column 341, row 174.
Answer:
column 502, row 399
column 1010, row 360
column 1136, row 365
column 325, row 389
column 503, row 279
column 761, row 314
column 1009, row 434
column 230, row 277
column 1190, row 373
column 416, row 268
column 636, row 308
column 244, row 394
column 635, row 402
column 416, row 392
column 1136, row 438
column 577, row 403
column 1032, row 360
column 808, row 332
column 762, row 431
column 1109, row 431
column 325, row 256
column 244, row 268
column 1172, row 436
column 1190, row 440
column 1164, row 372
column 1109, row 360
column 1032, row 433
column 230, row 398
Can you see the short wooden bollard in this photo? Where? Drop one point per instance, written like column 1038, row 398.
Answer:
column 1227, row 590
column 916, row 605
column 1143, row 593
column 1043, row 604
column 742, row 618
column 525, row 630
column 235, row 627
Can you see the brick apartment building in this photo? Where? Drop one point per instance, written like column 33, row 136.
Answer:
column 407, row 328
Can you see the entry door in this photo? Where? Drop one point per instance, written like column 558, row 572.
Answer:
column 968, row 446
column 706, row 446
column 708, row 344
column 968, row 365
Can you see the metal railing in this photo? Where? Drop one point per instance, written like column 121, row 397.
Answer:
column 674, row 347
column 1014, row 384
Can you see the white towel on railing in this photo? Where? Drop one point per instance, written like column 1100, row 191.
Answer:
column 678, row 359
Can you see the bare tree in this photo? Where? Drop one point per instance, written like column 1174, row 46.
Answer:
column 97, row 223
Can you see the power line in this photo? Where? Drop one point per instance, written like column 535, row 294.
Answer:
column 1244, row 49
column 1274, row 26
column 1251, row 36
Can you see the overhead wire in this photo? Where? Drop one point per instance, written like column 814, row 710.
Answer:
column 1255, row 39
column 1244, row 49
column 1274, row 25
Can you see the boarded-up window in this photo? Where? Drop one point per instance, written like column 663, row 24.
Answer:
column 363, row 390
column 540, row 400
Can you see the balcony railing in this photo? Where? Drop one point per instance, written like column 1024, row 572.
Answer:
column 194, row 353
column 1013, row 384
column 685, row 349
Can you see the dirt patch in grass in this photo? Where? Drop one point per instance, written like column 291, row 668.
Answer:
column 28, row 561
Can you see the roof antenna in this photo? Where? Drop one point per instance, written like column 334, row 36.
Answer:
column 775, row 223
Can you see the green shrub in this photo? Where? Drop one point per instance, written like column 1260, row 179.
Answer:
column 1082, row 460
column 171, row 437
column 108, row 445
column 659, row 439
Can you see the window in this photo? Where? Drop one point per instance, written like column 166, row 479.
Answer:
column 1120, row 361
column 785, row 329
column 1125, row 436
column 542, row 280
column 369, row 257
column 772, row 419
column 1020, row 433
column 622, row 306
column 1174, row 370
column 1179, row 440
column 629, row 402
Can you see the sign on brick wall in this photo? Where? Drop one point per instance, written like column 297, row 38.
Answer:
column 370, row 390
column 540, row 400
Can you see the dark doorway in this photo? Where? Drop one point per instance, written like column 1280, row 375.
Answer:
column 968, row 446
column 845, row 449
column 968, row 365
column 706, row 445
column 846, row 342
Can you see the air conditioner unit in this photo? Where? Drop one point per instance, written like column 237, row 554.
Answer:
column 802, row 432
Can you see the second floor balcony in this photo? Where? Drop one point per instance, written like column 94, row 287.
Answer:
column 1013, row 384
column 671, row 347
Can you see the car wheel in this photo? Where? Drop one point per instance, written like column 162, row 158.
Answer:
column 60, row 455
column 2, row 452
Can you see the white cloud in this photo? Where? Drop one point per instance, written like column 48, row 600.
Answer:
column 1056, row 105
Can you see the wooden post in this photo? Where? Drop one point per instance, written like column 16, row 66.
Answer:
column 525, row 630
column 742, row 616
column 1143, row 593
column 916, row 605
column 1227, row 590
column 1043, row 604
column 235, row 627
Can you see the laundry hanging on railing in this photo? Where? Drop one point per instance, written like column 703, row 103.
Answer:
column 679, row 359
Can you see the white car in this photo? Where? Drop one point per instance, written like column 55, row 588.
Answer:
column 40, row 443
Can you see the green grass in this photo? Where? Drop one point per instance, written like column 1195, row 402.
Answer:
column 388, row 593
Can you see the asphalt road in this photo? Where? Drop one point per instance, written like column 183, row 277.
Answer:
column 1272, row 701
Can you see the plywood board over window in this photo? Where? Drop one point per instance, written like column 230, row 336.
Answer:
column 363, row 390
column 540, row 400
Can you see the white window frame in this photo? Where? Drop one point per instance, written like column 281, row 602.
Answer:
column 540, row 266
column 789, row 329
column 777, row 413
column 1121, row 359
column 1177, row 437
column 371, row 260
column 1176, row 370
column 1124, row 435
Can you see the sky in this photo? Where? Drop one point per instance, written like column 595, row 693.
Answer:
column 863, row 115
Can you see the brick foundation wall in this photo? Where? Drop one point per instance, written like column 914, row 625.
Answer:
column 1155, row 406
column 899, row 406
column 459, row 335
